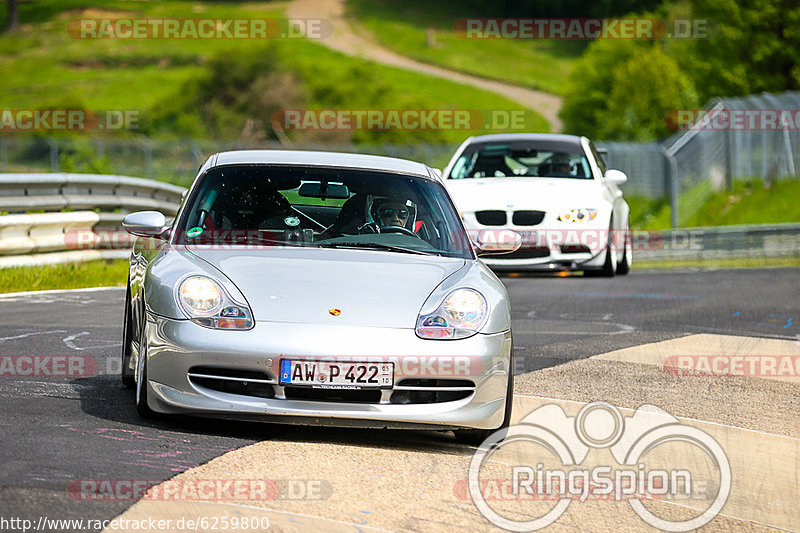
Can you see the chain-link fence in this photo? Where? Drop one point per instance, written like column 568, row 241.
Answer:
column 170, row 161
column 733, row 138
column 645, row 165
column 686, row 167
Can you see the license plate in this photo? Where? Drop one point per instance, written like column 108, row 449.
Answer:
column 337, row 375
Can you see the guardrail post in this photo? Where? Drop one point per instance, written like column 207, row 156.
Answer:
column 147, row 149
column 100, row 148
column 787, row 143
column 728, row 160
column 674, row 189
column 55, row 165
column 3, row 155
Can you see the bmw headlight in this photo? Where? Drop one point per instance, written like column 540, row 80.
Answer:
column 577, row 215
column 206, row 303
column 460, row 315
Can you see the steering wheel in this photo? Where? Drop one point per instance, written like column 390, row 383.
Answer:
column 399, row 229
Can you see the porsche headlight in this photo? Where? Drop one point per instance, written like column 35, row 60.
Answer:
column 200, row 295
column 577, row 215
column 206, row 303
column 460, row 315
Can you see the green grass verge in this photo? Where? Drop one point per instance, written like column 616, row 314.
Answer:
column 748, row 262
column 749, row 202
column 73, row 276
column 114, row 273
column 316, row 64
column 43, row 60
column 42, row 66
column 403, row 27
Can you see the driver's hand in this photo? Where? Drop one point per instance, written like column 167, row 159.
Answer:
column 369, row 227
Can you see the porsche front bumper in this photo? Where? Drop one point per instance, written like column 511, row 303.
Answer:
column 183, row 357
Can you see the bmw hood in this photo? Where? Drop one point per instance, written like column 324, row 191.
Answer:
column 523, row 193
column 337, row 287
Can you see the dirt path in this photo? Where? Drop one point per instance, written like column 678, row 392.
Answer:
column 345, row 40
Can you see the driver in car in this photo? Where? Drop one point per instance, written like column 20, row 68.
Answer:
column 393, row 212
column 560, row 164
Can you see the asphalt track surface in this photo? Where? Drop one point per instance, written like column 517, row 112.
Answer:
column 57, row 431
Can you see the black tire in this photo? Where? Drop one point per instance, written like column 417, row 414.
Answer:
column 609, row 268
column 476, row 436
column 128, row 379
column 610, row 265
column 142, row 391
column 627, row 255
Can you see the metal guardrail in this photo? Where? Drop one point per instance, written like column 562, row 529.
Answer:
column 61, row 237
column 724, row 242
column 54, row 192
column 32, row 239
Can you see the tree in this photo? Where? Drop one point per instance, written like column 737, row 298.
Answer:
column 13, row 16
column 590, row 84
column 645, row 88
column 752, row 47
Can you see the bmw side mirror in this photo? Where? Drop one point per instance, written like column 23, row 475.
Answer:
column 617, row 177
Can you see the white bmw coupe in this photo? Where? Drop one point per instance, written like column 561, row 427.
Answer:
column 554, row 191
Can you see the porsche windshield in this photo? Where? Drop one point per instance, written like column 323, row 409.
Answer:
column 261, row 205
column 534, row 159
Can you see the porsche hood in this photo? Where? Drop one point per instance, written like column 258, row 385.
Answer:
column 338, row 287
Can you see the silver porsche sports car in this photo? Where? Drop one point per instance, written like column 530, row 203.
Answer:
column 317, row 288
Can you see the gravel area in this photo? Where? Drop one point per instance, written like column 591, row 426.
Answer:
column 759, row 404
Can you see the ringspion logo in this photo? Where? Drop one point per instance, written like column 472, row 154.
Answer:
column 655, row 458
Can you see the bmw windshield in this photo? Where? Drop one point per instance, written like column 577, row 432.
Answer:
column 522, row 158
column 268, row 205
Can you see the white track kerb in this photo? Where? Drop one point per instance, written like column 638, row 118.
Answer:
column 600, row 425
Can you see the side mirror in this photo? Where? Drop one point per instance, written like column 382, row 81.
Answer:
column 145, row 224
column 617, row 177
column 495, row 242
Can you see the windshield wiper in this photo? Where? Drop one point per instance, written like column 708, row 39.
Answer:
column 373, row 246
